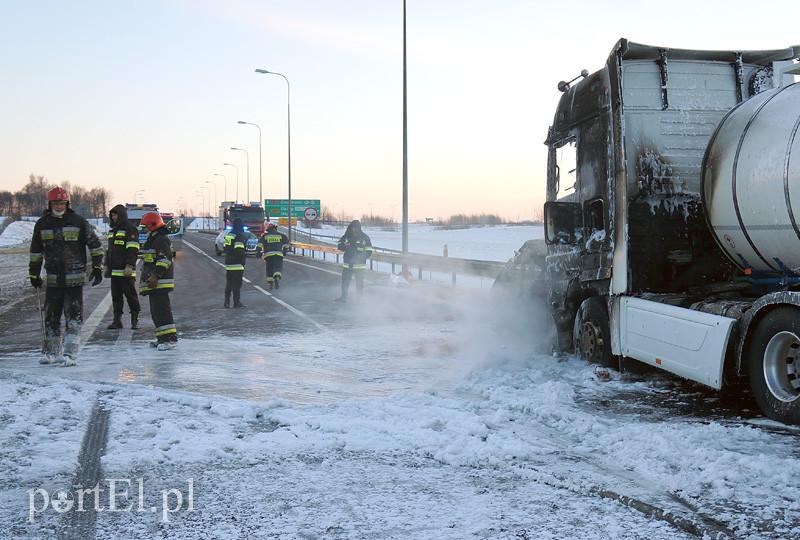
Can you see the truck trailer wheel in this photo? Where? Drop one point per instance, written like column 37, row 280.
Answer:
column 774, row 364
column 591, row 335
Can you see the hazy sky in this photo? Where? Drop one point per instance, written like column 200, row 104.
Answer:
column 146, row 94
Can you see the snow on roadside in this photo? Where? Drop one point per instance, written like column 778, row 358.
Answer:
column 496, row 243
column 17, row 233
column 207, row 224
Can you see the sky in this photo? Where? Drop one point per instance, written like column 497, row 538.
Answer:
column 146, row 95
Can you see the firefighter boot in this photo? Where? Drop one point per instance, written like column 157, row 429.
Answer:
column 277, row 282
column 135, row 320
column 116, row 324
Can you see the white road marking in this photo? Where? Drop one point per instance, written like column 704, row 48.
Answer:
column 10, row 305
column 90, row 324
column 278, row 300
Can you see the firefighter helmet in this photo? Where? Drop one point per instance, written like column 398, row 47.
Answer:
column 58, row 194
column 152, row 221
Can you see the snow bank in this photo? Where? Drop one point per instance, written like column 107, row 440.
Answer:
column 483, row 243
column 17, row 233
column 207, row 224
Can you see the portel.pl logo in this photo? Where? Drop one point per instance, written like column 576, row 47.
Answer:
column 116, row 497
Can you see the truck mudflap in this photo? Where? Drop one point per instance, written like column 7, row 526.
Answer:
column 688, row 343
column 760, row 306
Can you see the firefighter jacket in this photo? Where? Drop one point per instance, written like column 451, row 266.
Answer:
column 156, row 254
column 271, row 244
column 61, row 243
column 123, row 243
column 356, row 250
column 235, row 250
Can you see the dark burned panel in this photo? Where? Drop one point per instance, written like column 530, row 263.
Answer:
column 670, row 249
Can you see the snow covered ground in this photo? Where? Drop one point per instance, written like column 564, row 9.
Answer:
column 482, row 243
column 17, row 233
column 509, row 451
column 207, row 224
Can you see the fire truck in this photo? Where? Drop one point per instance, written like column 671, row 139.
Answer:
column 174, row 225
column 252, row 215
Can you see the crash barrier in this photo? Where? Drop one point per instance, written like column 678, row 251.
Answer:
column 411, row 262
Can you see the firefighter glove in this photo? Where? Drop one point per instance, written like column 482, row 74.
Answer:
column 36, row 281
column 128, row 271
column 152, row 281
column 96, row 276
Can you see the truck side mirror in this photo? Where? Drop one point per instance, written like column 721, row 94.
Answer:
column 563, row 222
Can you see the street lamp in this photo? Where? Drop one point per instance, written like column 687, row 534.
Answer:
column 215, row 194
column 288, row 137
column 405, row 143
column 208, row 204
column 225, row 185
column 237, row 178
column 247, row 158
column 260, row 186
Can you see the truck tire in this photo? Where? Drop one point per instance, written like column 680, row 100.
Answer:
column 773, row 361
column 591, row 335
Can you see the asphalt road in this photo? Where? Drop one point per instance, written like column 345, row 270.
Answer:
column 295, row 343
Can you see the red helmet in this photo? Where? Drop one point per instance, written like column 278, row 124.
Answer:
column 152, row 220
column 58, row 194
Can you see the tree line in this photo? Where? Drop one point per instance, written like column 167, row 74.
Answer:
column 31, row 200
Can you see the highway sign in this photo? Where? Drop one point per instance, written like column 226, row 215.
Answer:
column 276, row 208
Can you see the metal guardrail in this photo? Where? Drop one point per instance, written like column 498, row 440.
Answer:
column 418, row 261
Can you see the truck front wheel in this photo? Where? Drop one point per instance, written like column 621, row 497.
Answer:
column 591, row 335
column 774, row 364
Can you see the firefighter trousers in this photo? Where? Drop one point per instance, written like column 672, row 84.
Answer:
column 124, row 288
column 161, row 312
column 69, row 302
column 233, row 284
column 274, row 268
column 348, row 273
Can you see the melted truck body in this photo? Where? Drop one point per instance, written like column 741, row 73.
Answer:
column 636, row 264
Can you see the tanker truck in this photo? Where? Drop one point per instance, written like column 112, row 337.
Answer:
column 672, row 221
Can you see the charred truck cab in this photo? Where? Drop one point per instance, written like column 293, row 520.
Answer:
column 671, row 221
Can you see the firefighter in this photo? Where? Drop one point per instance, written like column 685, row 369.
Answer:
column 272, row 246
column 60, row 239
column 157, row 280
column 123, row 251
column 235, row 259
column 357, row 247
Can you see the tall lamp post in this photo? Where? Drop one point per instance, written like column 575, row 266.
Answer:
column 237, row 178
column 260, row 185
column 405, row 142
column 207, row 200
column 288, row 137
column 247, row 163
column 224, row 184
column 215, row 195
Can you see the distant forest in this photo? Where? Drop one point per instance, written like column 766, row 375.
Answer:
column 31, row 200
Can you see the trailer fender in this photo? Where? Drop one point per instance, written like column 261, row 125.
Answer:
column 751, row 317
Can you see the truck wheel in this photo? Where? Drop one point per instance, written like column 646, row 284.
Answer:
column 773, row 359
column 591, row 335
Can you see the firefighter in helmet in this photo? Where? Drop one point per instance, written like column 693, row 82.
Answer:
column 123, row 251
column 60, row 239
column 157, row 280
column 235, row 259
column 271, row 247
column 357, row 247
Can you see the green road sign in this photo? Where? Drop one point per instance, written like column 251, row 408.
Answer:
column 277, row 208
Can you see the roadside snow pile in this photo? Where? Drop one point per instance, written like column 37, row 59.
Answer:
column 17, row 233
column 206, row 224
column 495, row 243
